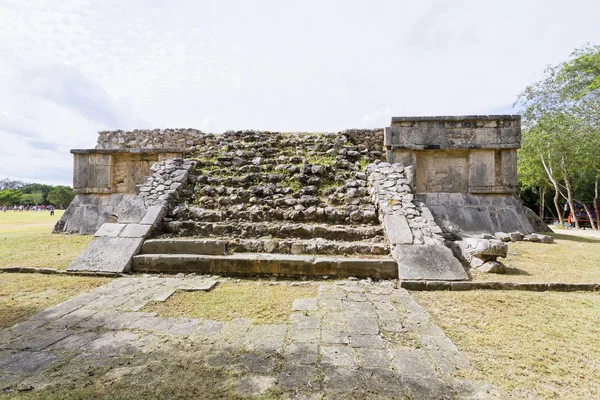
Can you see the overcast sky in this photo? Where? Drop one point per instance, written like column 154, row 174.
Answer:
column 71, row 68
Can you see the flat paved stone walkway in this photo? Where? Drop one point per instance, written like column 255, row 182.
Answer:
column 356, row 339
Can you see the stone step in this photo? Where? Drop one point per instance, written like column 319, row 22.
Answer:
column 246, row 264
column 222, row 246
column 347, row 233
column 362, row 215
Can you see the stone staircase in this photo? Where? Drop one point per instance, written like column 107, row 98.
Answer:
column 304, row 258
column 276, row 203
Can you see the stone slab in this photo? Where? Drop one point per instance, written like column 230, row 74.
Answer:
column 107, row 254
column 397, row 229
column 304, row 305
column 109, row 229
column 272, row 264
column 135, row 231
column 185, row 246
column 428, row 262
column 153, row 215
column 338, row 356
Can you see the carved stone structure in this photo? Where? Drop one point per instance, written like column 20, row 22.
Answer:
column 107, row 183
column 291, row 204
column 465, row 168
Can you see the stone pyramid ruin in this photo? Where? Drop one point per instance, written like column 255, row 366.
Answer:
column 363, row 203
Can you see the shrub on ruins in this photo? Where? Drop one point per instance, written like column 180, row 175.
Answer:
column 561, row 116
column 61, row 196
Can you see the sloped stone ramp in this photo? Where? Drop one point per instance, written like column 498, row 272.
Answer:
column 354, row 340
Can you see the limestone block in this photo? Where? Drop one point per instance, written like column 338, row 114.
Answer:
column 397, row 229
column 509, row 168
column 492, row 267
column 429, row 262
column 515, row 236
column 135, row 231
column 107, row 254
column 109, row 230
column 185, row 246
column 536, row 237
column 485, row 249
column 505, row 237
column 482, row 170
column 442, row 171
column 153, row 215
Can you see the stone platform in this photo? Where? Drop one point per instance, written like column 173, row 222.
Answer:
column 354, row 340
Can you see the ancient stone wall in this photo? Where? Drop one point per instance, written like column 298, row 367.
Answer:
column 192, row 139
column 107, row 183
column 117, row 241
column 152, row 139
column 464, row 168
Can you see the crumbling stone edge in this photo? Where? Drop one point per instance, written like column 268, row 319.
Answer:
column 525, row 286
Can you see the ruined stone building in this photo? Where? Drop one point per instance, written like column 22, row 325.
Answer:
column 383, row 203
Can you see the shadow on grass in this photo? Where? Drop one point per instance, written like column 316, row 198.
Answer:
column 14, row 313
column 578, row 239
column 516, row 271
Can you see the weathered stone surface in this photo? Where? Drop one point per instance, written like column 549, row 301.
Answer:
column 153, row 215
column 505, row 237
column 515, row 236
column 397, row 229
column 107, row 254
column 536, row 237
column 135, row 231
column 185, row 246
column 304, row 305
column 109, row 230
column 492, row 267
column 483, row 249
column 307, row 357
column 302, row 353
column 277, row 264
column 338, row 356
column 429, row 262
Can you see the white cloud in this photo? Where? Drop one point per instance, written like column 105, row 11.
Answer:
column 73, row 67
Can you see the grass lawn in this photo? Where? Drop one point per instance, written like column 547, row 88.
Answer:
column 26, row 241
column 571, row 259
column 528, row 344
column 259, row 301
column 22, row 295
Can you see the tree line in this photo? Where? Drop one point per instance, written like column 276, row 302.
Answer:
column 13, row 192
column 560, row 154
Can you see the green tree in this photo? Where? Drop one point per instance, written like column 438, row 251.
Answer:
column 561, row 115
column 61, row 196
column 38, row 187
column 33, row 199
column 9, row 197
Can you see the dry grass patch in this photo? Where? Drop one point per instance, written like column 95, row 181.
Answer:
column 22, row 295
column 571, row 259
column 259, row 301
column 26, row 241
column 528, row 344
